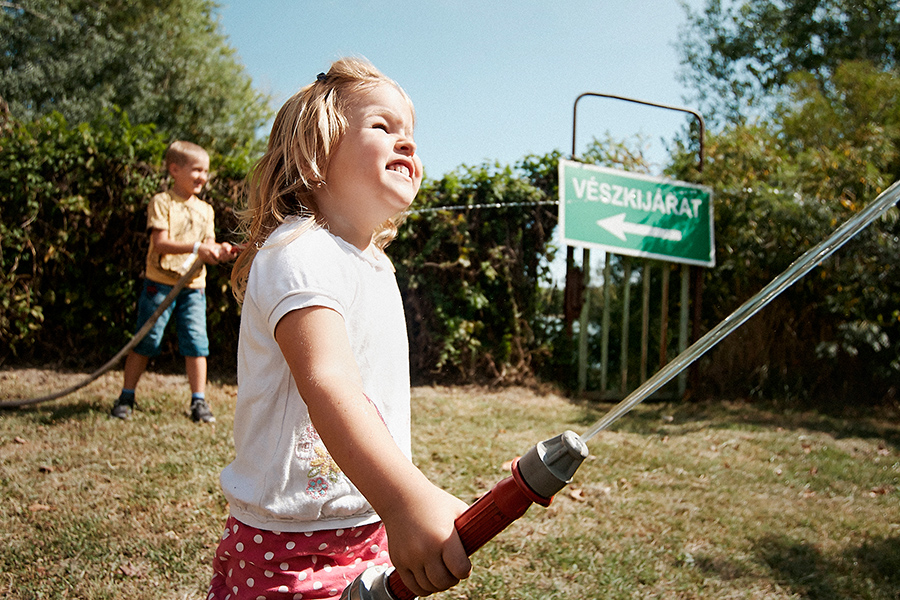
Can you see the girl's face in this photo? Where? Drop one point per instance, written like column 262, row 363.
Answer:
column 374, row 172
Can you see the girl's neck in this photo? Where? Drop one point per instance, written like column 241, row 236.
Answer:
column 360, row 242
column 350, row 231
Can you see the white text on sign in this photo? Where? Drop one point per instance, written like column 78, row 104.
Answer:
column 620, row 195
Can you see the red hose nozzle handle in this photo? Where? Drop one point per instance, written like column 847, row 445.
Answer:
column 536, row 477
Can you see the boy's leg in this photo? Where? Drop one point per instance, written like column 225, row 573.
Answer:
column 152, row 294
column 135, row 365
column 195, row 366
column 193, row 343
column 196, row 372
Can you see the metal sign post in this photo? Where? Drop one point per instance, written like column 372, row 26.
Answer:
column 620, row 226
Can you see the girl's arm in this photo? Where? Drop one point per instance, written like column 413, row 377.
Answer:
column 418, row 516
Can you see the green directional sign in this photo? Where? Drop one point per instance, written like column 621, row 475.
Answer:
column 635, row 214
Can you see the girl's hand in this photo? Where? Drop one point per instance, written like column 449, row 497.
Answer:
column 423, row 543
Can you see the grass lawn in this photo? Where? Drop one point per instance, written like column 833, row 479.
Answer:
column 712, row 500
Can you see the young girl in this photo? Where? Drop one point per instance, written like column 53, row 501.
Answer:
column 322, row 477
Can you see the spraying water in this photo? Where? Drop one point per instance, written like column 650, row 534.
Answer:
column 550, row 465
column 800, row 267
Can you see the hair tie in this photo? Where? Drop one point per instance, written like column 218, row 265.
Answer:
column 321, row 77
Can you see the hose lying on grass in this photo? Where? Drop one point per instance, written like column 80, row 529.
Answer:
column 141, row 334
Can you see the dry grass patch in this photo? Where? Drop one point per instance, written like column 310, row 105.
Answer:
column 725, row 500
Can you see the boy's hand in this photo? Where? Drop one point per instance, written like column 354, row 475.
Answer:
column 209, row 253
column 214, row 253
column 232, row 250
column 228, row 251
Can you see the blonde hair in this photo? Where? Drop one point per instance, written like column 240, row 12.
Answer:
column 306, row 130
column 180, row 152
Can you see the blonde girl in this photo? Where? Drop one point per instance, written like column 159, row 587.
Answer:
column 322, row 477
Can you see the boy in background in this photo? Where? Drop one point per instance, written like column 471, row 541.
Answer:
column 181, row 229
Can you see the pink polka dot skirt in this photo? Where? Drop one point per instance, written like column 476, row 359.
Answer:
column 254, row 564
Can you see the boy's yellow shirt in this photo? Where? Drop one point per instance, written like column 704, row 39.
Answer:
column 185, row 220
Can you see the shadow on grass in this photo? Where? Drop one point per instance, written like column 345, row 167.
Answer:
column 49, row 414
column 668, row 418
column 880, row 427
column 871, row 570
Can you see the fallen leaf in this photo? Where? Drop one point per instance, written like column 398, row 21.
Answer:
column 20, row 440
column 129, row 570
column 577, row 495
column 38, row 507
column 507, row 466
column 46, row 469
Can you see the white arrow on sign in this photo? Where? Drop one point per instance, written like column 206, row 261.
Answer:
column 617, row 226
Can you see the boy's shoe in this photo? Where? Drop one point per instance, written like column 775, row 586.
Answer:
column 123, row 408
column 200, row 412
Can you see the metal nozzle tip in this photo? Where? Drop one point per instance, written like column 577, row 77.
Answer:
column 549, row 466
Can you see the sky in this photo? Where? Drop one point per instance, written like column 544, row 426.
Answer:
column 491, row 81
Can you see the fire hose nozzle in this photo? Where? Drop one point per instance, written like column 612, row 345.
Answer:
column 371, row 584
column 541, row 472
column 550, row 465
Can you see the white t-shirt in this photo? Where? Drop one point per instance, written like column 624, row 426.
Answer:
column 283, row 478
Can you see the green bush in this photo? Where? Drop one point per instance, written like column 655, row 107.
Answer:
column 471, row 273
column 72, row 236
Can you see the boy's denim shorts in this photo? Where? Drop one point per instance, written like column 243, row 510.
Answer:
column 189, row 308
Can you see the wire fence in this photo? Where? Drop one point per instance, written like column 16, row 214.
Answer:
column 487, row 205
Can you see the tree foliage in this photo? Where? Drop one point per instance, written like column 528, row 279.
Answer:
column 804, row 101
column 738, row 55
column 470, row 262
column 782, row 185
column 472, row 259
column 162, row 62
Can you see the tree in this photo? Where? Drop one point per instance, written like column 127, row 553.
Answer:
column 162, row 62
column 782, row 184
column 803, row 98
column 738, row 55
